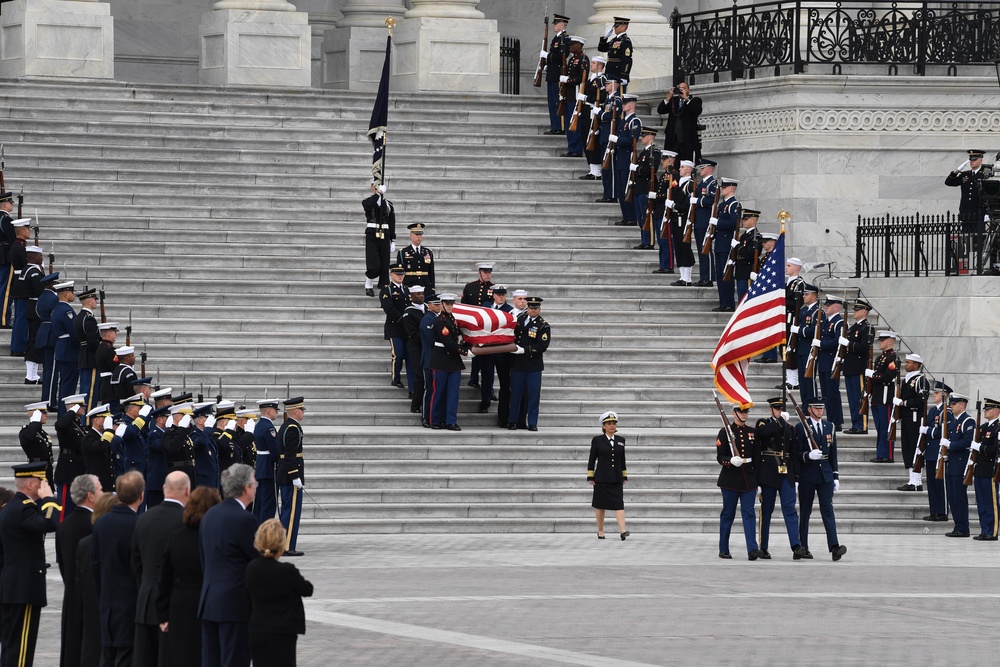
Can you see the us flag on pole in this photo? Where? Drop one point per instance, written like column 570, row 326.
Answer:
column 757, row 326
column 484, row 326
column 380, row 119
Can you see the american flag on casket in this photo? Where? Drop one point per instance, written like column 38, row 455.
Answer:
column 484, row 326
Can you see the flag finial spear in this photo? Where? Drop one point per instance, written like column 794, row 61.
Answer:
column 390, row 23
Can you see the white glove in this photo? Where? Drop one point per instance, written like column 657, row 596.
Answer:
column 580, row 97
column 608, row 34
column 976, row 446
column 897, row 401
column 670, row 204
column 734, row 244
column 624, row 82
column 836, row 485
column 76, row 408
column 815, row 343
column 613, row 138
column 392, row 247
column 986, row 218
column 869, row 373
column 923, row 430
column 544, row 54
column 652, row 196
column 796, row 487
column 209, row 421
column 519, row 350
column 120, row 431
column 297, row 483
column 712, row 222
column 785, row 416
column 231, row 425
column 145, row 410
column 965, row 165
column 815, row 454
column 184, row 422
column 736, row 461
column 945, row 442
column 753, row 276
column 633, row 167
column 382, row 188
column 249, row 426
column 794, row 329
column 843, row 341
column 563, row 79
column 36, row 416
column 170, row 421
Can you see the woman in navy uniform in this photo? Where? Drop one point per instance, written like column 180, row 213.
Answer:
column 607, row 473
column 738, row 455
column 777, row 471
column 818, row 475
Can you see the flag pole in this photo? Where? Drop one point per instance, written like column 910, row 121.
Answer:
column 390, row 23
column 783, row 217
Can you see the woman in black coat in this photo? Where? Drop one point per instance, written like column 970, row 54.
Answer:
column 607, row 473
column 276, row 590
column 180, row 583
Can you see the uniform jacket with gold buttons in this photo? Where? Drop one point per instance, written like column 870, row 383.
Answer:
column 607, row 463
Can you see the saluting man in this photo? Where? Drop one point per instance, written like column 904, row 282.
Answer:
column 69, row 466
column 417, row 261
column 860, row 338
column 618, row 46
column 34, row 440
column 738, row 454
column 969, row 177
column 291, row 471
column 777, row 470
column 818, row 475
column 532, row 336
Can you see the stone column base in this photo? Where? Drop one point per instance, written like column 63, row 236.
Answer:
column 255, row 48
column 353, row 58
column 57, row 38
column 653, row 59
column 447, row 54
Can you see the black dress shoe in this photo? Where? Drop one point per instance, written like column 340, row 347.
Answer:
column 642, row 246
column 624, row 535
column 910, row 487
column 955, row 533
column 765, row 361
column 511, row 427
column 588, row 177
column 753, row 555
column 437, row 427
column 837, row 428
column 992, row 538
column 979, row 538
column 621, row 223
column 553, row 132
column 473, row 383
column 839, row 551
column 703, row 283
column 415, row 410
column 661, row 271
column 294, row 553
column 600, row 537
column 765, row 554
column 878, row 459
column 631, row 223
column 532, row 428
column 936, row 517
column 397, row 385
column 604, row 200
column 726, row 556
column 802, row 554
column 410, row 395
column 369, row 291
column 679, row 283
column 571, row 155
column 853, row 431
column 720, row 309
column 425, row 424
column 493, row 396
column 453, row 427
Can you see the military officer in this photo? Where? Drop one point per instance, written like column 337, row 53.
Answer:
column 7, row 239
column 818, row 475
column 433, row 303
column 618, row 46
column 748, row 251
column 497, row 364
column 394, row 298
column 102, row 449
column 476, row 293
column 380, row 238
column 265, row 438
column 610, row 113
column 647, row 163
column 860, row 338
column 291, row 471
column 69, row 465
column 414, row 349
column 224, row 435
column 596, row 96
column 46, row 344
column 206, row 454
column 88, row 335
column 777, row 469
column 532, row 335
column 912, row 403
column 704, row 195
column 738, row 452
column 417, row 261
column 794, row 294
column 577, row 70
column 730, row 214
column 884, row 375
column 831, row 331
column 25, row 291
column 246, row 420
column 133, row 431
column 17, row 255
column 106, row 359
column 936, row 414
column 969, row 177
column 555, row 58
column 24, row 520
column 34, row 440
column 986, row 462
column 678, row 207
column 958, row 444
column 156, row 460
column 809, row 317
column 178, row 447
column 629, row 131
column 446, row 362
column 65, row 379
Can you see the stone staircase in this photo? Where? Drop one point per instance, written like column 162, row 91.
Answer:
column 227, row 224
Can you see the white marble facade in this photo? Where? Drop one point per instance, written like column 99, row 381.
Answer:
column 256, row 47
column 56, row 38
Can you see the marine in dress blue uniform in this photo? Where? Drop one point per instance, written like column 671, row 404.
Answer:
column 629, row 131
column 884, row 374
column 818, row 476
column 809, row 315
column 88, row 336
column 532, row 335
column 914, row 392
column 416, row 259
column 265, row 437
column 829, row 342
column 65, row 379
column 447, row 365
column 394, row 298
column 986, row 462
column 938, row 411
column 554, row 57
column 291, row 471
column 777, row 469
column 730, row 214
column 961, row 434
column 860, row 338
column 648, row 162
column 577, row 71
column 704, row 194
column 738, row 452
column 617, row 44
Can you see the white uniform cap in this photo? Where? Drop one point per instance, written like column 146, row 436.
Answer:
column 75, row 399
column 915, row 357
column 34, row 248
column 599, row 59
column 887, row 334
column 687, row 163
column 21, row 222
column 609, row 416
column 417, row 289
column 794, row 261
column 520, row 292
column 124, row 349
column 40, row 405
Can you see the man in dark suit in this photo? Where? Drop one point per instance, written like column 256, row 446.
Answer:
column 818, row 475
column 112, row 567
column 682, row 110
column 84, row 490
column 148, row 544
column 24, row 520
column 226, row 539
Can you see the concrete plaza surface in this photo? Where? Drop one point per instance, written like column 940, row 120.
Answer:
column 656, row 599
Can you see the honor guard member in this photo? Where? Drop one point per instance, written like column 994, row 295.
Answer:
column 17, row 255
column 88, row 335
column 986, row 462
column 677, row 207
column 738, row 452
column 124, row 375
column 24, row 292
column 34, row 354
column 102, row 449
column 860, row 338
column 555, row 58
column 794, row 295
column 6, row 241
column 609, row 110
column 577, row 71
column 156, row 459
column 394, row 298
column 596, row 96
column 777, row 470
column 132, row 430
column 730, row 214
column 433, row 302
column 206, row 455
column 747, row 252
column 648, row 161
column 380, row 238
column 935, row 487
column 24, row 520
column 162, row 397
column 265, row 438
column 665, row 188
column 809, row 316
column 291, row 471
column 46, row 344
column 912, row 401
column 618, row 46
column 178, row 448
column 532, row 336
column 477, row 293
column 704, row 195
column 818, row 476
column 767, row 242
column 884, row 374
column 69, row 465
column 446, row 363
column 629, row 131
column 961, row 434
column 106, row 358
column 246, row 420
column 34, row 440
column 65, row 379
column 969, row 177
column 224, row 435
column 497, row 363
column 414, row 349
column 829, row 343
column 416, row 260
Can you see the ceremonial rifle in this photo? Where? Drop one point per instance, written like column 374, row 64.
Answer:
column 52, row 258
column 581, row 96
column 895, row 409
column 609, row 152
column 726, row 425
column 647, row 223
column 665, row 222
column 868, row 383
column 918, row 456
column 20, row 203
column 970, row 467
column 545, row 47
column 814, row 349
column 100, row 293
column 128, row 328
column 218, row 398
column 632, row 169
column 3, row 183
column 689, row 225
column 595, row 120
column 943, row 454
column 142, row 359
column 734, row 253
column 838, row 361
column 805, row 423
column 562, row 87
column 706, row 247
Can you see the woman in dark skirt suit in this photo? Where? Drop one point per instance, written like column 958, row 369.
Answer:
column 276, row 590
column 607, row 473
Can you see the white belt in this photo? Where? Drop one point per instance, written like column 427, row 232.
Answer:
column 64, row 336
column 372, row 225
column 260, row 453
column 437, row 344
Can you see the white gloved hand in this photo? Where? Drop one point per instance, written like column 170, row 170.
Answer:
column 36, row 416
column 976, row 446
column 392, row 247
column 815, row 454
column 610, row 31
column 753, row 276
column 120, row 431
column 624, row 82
column 796, row 487
column 945, row 442
column 231, row 425
column 897, row 401
column 209, row 421
column 543, row 54
column 815, row 343
column 580, row 97
column 869, row 373
column 76, row 408
column 843, row 341
column 712, row 222
column 145, row 410
column 169, row 422
column 652, row 196
column 734, row 244
column 923, row 430
column 297, row 483
column 965, row 165
column 986, row 218
column 184, row 422
column 670, row 204
column 736, row 461
column 383, row 188
column 519, row 350
column 794, row 329
column 785, row 416
column 563, row 79
column 250, row 425
column 613, row 138
column 633, row 167
column 836, row 485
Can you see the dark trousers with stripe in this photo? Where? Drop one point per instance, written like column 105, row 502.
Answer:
column 746, row 500
column 65, row 381
column 958, row 500
column 291, row 513
column 19, row 334
column 807, row 492
column 727, row 291
column 935, row 486
column 986, row 503
column 48, row 370
column 807, row 386
column 20, row 632
column 6, row 303
column 397, row 348
column 831, row 397
column 444, row 402
column 855, row 386
column 428, row 395
column 526, row 385
column 552, row 93
column 265, row 503
column 90, row 384
column 767, row 498
column 881, row 415
column 706, row 271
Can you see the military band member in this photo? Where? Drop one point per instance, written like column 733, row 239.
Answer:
column 65, row 378
column 7, row 239
column 912, row 401
column 69, row 465
column 818, row 476
column 577, row 70
column 794, row 287
column 34, row 440
column 380, row 238
column 961, row 434
column 596, row 96
column 394, row 298
column 777, row 470
column 607, row 472
column 704, row 194
column 555, row 57
column 730, row 214
column 738, row 452
column 532, row 335
column 290, row 473
column 102, row 449
column 476, row 293
column 446, row 363
column 618, row 46
column 829, row 343
column 860, row 338
column 809, row 315
column 986, row 462
column 88, row 336
column 935, row 487
column 629, row 130
column 648, row 162
column 679, row 209
column 884, row 375
column 609, row 110
column 416, row 260
column 748, row 251
column 414, row 349
column 265, row 438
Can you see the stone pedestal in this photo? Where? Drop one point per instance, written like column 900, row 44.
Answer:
column 255, row 47
column 57, row 38
column 354, row 51
column 651, row 35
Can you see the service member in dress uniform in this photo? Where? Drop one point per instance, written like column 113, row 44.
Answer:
column 446, row 363
column 46, row 344
column 678, row 209
column 69, row 465
column 607, row 472
column 123, row 376
column 17, row 255
column 961, row 435
column 596, row 96
column 629, row 132
column 133, row 431
column 808, row 317
column 610, row 108
column 414, row 348
column 829, row 343
column 730, row 214
column 476, row 293
column 394, row 298
column 986, row 462
column 969, row 177
column 777, row 470
column 935, row 487
column 704, row 194
column 738, row 452
column 34, row 440
column 206, row 454
column 913, row 395
column 577, row 71
column 265, row 438
column 748, row 250
column 246, row 421
column 156, row 459
column 666, row 186
column 65, row 378
column 417, row 261
column 25, row 291
column 532, row 335
column 6, row 240
column 88, row 335
column 433, row 303
column 794, row 285
column 884, row 374
column 224, row 435
column 291, row 471
column 102, row 449
column 178, row 447
column 380, row 238
column 618, row 46
column 818, row 476
column 24, row 521
column 860, row 338
column 554, row 58
column 648, row 162
column 106, row 360
column 498, row 363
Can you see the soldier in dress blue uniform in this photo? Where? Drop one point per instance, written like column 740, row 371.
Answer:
column 596, row 96
column 433, row 302
column 88, row 335
column 291, row 471
column 133, row 431
column 380, row 238
column 664, row 213
column 476, row 293
column 629, row 131
column 265, row 438
column 935, row 487
column 818, row 476
column 394, row 298
column 411, row 331
column 107, row 360
column 577, row 71
column 884, row 374
column 618, row 46
column 730, row 214
column 748, row 249
column 6, row 241
column 610, row 109
column 554, row 58
column 704, row 194
column 860, row 338
column 178, row 448
column 913, row 394
column 497, row 363
column 829, row 342
column 224, row 435
column 44, row 340
column 986, row 462
column 417, row 260
column 738, row 452
column 532, row 336
column 648, row 161
column 809, row 315
column 446, row 362
column 206, row 455
column 65, row 379
column 607, row 472
column 961, row 434
column 777, row 470
column 69, row 465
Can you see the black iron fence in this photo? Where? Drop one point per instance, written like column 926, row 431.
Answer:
column 923, row 245
column 771, row 36
column 510, row 66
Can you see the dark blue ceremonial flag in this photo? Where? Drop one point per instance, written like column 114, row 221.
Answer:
column 380, row 119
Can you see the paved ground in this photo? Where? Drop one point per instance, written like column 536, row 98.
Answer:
column 499, row 600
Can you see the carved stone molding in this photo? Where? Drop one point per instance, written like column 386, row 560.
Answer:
column 850, row 120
